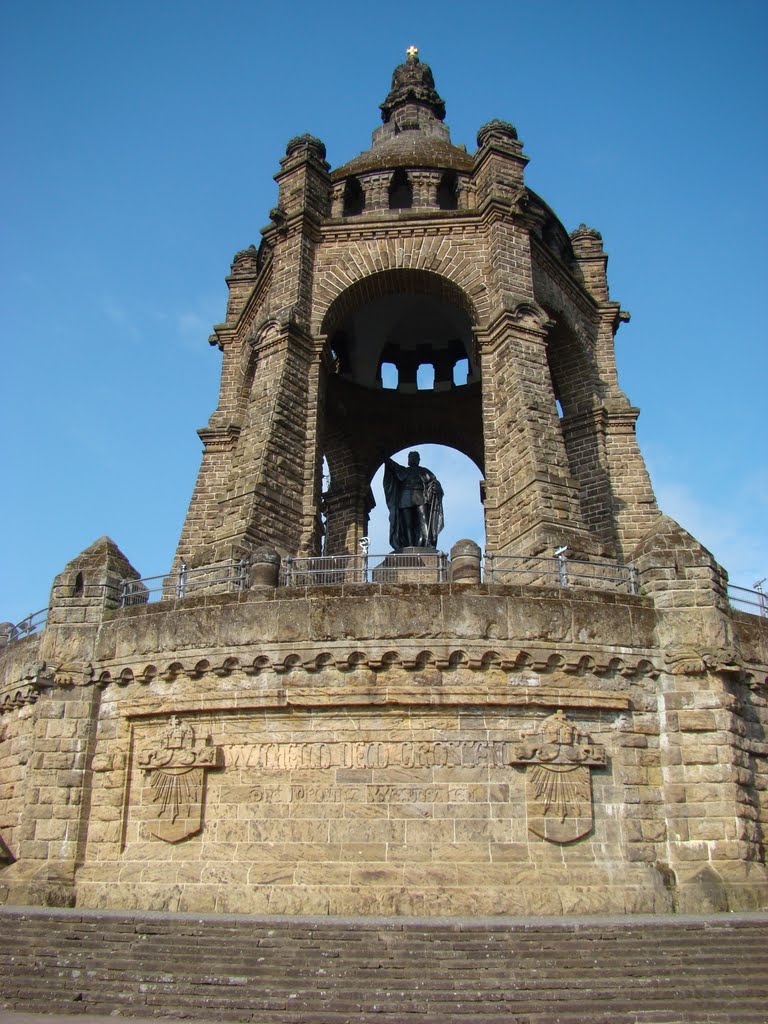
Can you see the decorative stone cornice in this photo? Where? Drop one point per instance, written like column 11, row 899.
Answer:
column 526, row 667
column 219, row 439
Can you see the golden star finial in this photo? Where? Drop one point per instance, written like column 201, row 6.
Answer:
column 412, row 51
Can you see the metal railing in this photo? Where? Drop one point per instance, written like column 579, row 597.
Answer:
column 29, row 624
column 219, row 577
column 540, row 571
column 754, row 601
column 335, row 570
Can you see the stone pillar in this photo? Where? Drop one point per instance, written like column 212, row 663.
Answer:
column 265, row 569
column 532, row 500
column 465, row 562
column 347, row 517
column 258, row 484
column 628, row 508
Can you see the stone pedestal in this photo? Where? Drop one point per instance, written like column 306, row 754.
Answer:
column 411, row 565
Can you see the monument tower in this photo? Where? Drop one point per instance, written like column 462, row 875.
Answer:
column 412, row 253
column 580, row 725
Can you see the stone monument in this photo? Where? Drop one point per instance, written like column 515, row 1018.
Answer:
column 578, row 725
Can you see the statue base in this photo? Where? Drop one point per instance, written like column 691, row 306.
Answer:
column 411, row 565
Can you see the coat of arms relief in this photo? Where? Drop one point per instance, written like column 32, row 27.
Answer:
column 560, row 757
column 178, row 765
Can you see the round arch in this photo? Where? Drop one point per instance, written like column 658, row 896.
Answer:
column 407, row 320
column 400, row 281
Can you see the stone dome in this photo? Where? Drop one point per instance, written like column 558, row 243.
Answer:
column 413, row 134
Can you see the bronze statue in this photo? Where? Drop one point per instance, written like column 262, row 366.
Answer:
column 415, row 501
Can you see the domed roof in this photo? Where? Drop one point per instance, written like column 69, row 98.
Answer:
column 407, row 149
column 413, row 133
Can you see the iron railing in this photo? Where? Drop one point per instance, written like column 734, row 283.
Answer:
column 218, row 577
column 29, row 624
column 540, row 571
column 335, row 570
column 754, row 601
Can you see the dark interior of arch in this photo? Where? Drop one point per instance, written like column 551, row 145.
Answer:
column 407, row 318
column 400, row 191
column 354, row 198
column 448, row 191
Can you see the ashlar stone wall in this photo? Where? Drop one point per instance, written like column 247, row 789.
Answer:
column 446, row 748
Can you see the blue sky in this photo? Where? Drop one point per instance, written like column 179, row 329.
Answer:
column 141, row 141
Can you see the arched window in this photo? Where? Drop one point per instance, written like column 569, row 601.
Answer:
column 79, row 585
column 460, row 372
column 400, row 191
column 448, row 191
column 425, row 377
column 354, row 197
column 389, row 376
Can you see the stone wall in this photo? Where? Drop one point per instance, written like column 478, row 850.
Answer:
column 407, row 749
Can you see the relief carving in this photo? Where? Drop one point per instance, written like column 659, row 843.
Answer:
column 178, row 766
column 559, row 782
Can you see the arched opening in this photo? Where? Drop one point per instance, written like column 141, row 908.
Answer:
column 354, row 198
column 400, row 191
column 389, row 376
column 448, row 191
column 460, row 479
column 401, row 333
column 425, row 377
column 78, row 586
column 405, row 319
column 461, row 372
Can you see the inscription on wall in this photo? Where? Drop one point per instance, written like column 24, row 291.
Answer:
column 371, row 754
column 427, row 778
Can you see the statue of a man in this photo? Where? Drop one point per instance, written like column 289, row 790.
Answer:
column 415, row 501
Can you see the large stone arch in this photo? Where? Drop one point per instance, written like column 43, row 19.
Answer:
column 445, row 265
column 393, row 281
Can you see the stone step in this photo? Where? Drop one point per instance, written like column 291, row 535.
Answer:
column 284, row 970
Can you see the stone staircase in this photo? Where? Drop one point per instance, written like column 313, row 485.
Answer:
column 654, row 970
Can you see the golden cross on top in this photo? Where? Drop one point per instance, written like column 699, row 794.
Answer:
column 412, row 51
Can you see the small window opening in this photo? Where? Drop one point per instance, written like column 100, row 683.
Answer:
column 354, row 198
column 400, row 191
column 390, row 377
column 559, row 405
column 425, row 377
column 460, row 372
column 79, row 586
column 448, row 191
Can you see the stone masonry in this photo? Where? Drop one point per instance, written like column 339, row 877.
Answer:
column 447, row 747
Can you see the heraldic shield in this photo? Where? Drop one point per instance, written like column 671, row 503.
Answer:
column 177, row 781
column 558, row 781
